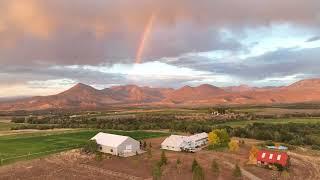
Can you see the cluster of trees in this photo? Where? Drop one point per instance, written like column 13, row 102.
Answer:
column 291, row 133
column 121, row 122
column 218, row 138
column 35, row 126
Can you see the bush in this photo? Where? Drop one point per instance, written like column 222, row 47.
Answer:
column 91, row 147
column 315, row 147
column 233, row 146
column 269, row 143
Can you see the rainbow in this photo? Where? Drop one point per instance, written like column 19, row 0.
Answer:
column 144, row 39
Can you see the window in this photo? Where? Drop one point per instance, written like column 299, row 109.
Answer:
column 263, row 155
column 271, row 155
column 278, row 157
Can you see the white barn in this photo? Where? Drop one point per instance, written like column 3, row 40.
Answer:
column 185, row 143
column 117, row 145
column 175, row 143
column 198, row 140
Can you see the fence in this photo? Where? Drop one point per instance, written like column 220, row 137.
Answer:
column 29, row 155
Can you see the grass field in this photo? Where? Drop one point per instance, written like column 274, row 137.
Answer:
column 6, row 126
column 26, row 145
column 272, row 121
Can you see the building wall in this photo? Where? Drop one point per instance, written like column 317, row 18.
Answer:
column 133, row 144
column 201, row 142
column 109, row 150
column 171, row 148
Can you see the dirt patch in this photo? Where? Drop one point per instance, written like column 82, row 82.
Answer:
column 74, row 165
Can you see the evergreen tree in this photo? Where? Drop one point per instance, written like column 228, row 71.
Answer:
column 149, row 153
column 156, row 171
column 144, row 145
column 194, row 164
column 197, row 173
column 215, row 167
column 237, row 171
column 163, row 160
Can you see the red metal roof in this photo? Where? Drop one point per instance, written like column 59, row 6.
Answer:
column 273, row 157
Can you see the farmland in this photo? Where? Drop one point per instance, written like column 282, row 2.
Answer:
column 47, row 138
column 74, row 165
column 25, row 145
column 273, row 121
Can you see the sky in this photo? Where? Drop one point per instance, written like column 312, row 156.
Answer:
column 47, row 46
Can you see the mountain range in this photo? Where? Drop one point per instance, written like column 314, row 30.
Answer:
column 82, row 96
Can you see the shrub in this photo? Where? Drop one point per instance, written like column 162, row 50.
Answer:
column 91, row 147
column 269, row 143
column 315, row 147
column 233, row 146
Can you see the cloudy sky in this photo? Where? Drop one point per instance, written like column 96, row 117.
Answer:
column 46, row 46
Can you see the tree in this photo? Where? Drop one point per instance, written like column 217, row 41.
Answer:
column 149, row 153
column 144, row 144
column 213, row 138
column 163, row 160
column 215, row 167
column 156, row 171
column 218, row 137
column 194, row 164
column 237, row 172
column 178, row 163
column 91, row 147
column 223, row 135
column 197, row 173
column 253, row 155
column 233, row 146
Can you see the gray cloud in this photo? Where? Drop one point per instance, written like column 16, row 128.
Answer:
column 312, row 39
column 279, row 63
column 82, row 32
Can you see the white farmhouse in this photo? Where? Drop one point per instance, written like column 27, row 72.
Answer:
column 185, row 143
column 198, row 140
column 176, row 143
column 117, row 145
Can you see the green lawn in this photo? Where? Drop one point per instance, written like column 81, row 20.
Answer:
column 20, row 145
column 272, row 121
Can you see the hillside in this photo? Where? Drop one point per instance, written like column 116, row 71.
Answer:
column 82, row 96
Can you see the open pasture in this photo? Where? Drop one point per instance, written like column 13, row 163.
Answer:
column 24, row 146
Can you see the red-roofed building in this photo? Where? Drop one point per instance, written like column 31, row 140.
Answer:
column 265, row 157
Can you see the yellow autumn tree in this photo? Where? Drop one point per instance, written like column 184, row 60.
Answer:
column 213, row 139
column 253, row 155
column 233, row 146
